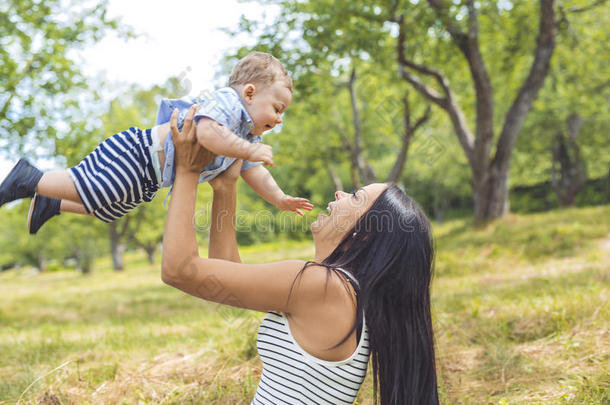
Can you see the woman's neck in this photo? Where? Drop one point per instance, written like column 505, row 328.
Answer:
column 323, row 248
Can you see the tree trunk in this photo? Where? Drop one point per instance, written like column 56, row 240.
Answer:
column 41, row 262
column 491, row 196
column 150, row 253
column 569, row 174
column 117, row 248
column 85, row 260
column 364, row 170
column 334, row 177
column 440, row 205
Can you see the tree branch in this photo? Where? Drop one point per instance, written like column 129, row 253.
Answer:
column 564, row 13
column 586, row 8
column 454, row 30
column 6, row 106
column 529, row 90
column 404, row 62
column 364, row 169
column 468, row 44
column 422, row 120
column 334, row 177
column 12, row 86
column 350, row 148
column 447, row 102
column 409, row 132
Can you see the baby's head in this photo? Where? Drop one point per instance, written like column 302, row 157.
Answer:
column 265, row 89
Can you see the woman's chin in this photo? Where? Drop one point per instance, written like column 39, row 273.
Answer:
column 318, row 223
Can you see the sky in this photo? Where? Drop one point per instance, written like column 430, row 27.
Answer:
column 179, row 38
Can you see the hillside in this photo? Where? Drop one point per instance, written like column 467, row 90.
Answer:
column 520, row 307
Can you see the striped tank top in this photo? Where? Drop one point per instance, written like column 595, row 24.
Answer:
column 293, row 376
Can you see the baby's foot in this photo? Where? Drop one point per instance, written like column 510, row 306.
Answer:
column 21, row 182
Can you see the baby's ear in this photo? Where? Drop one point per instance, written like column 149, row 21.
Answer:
column 249, row 91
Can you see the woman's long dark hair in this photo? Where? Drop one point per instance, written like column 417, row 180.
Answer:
column 391, row 255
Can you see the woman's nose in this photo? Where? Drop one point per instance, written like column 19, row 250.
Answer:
column 339, row 195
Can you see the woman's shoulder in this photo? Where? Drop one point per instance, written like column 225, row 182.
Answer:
column 314, row 272
column 319, row 284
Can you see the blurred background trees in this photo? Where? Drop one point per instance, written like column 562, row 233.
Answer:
column 475, row 107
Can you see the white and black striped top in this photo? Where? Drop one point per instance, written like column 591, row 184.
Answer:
column 293, row 376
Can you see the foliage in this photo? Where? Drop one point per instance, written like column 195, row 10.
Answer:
column 62, row 239
column 39, row 75
column 319, row 41
column 578, row 83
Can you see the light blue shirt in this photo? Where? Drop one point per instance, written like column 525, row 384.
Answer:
column 223, row 106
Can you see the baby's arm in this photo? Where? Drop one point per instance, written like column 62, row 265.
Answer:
column 262, row 182
column 221, row 141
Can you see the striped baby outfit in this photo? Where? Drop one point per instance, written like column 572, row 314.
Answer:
column 118, row 175
column 293, row 376
column 124, row 170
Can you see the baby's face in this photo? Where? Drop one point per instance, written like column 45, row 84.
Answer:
column 267, row 104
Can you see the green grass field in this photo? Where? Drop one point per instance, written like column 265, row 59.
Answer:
column 520, row 308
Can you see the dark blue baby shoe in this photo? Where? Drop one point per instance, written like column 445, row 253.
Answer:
column 21, row 182
column 41, row 210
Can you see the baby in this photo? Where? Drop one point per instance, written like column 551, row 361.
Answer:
column 128, row 168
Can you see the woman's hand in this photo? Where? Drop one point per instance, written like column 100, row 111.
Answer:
column 190, row 156
column 228, row 178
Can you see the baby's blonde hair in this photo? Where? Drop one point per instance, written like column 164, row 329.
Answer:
column 259, row 68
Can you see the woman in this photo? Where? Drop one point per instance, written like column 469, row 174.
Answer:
column 366, row 291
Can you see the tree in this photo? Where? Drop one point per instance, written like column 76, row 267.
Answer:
column 422, row 33
column 149, row 234
column 320, row 62
column 569, row 173
column 490, row 173
column 37, row 70
column 63, row 237
column 567, row 126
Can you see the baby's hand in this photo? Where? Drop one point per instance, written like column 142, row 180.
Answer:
column 294, row 204
column 259, row 152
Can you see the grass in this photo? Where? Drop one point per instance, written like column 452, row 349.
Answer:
column 520, row 309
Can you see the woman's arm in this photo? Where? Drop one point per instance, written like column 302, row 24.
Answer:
column 262, row 287
column 179, row 236
column 223, row 242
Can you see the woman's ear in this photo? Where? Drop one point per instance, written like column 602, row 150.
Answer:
column 249, row 92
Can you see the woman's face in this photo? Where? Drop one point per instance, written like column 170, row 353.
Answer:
column 344, row 212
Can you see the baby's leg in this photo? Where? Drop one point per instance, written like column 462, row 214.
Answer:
column 58, row 184
column 73, row 207
column 43, row 208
